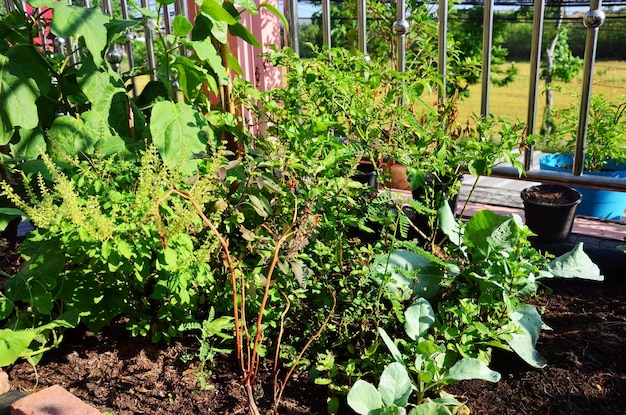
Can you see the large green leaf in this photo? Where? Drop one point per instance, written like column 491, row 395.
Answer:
column 573, row 264
column 487, row 229
column 410, row 274
column 23, row 78
column 471, row 368
column 71, row 21
column 449, row 225
column 179, row 132
column 527, row 324
column 100, row 88
column 419, row 318
column 217, row 12
column 242, row 32
column 72, row 136
column 13, row 344
column 207, row 52
column 365, row 399
column 393, row 349
column 31, row 144
column 395, row 385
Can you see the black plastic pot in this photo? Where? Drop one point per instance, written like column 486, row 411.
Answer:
column 367, row 175
column 550, row 211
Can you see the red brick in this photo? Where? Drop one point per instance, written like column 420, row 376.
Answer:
column 52, row 401
column 4, row 382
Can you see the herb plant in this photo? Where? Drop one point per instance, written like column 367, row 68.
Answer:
column 605, row 145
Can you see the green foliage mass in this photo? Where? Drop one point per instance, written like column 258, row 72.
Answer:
column 260, row 237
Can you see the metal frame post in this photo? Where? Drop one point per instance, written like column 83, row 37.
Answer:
column 291, row 12
column 362, row 25
column 443, row 48
column 533, row 88
column 401, row 28
column 487, row 44
column 592, row 20
column 326, row 23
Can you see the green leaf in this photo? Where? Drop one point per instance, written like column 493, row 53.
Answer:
column 73, row 136
column 430, row 408
column 23, row 78
column 393, row 349
column 13, row 344
column 179, row 132
column 75, row 20
column 248, row 5
column 100, row 88
column 207, row 52
column 6, row 307
column 411, row 274
column 215, row 10
column 419, row 318
column 259, row 207
column 7, row 215
column 364, row 399
column 574, row 264
column 182, row 26
column 395, row 385
column 242, row 32
column 449, row 225
column 486, row 228
column 125, row 249
column 471, row 368
column 32, row 143
column 527, row 324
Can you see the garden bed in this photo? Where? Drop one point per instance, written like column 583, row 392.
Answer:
column 586, row 371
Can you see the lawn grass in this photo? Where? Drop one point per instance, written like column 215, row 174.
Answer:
column 512, row 101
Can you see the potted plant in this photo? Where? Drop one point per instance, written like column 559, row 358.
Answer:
column 605, row 153
column 550, row 211
column 441, row 150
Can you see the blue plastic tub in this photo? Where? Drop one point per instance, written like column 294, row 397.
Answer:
column 604, row 204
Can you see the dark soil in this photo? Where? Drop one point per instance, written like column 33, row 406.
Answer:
column 586, row 372
column 550, row 195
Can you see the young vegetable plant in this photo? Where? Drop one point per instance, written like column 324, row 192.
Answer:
column 490, row 267
column 432, row 367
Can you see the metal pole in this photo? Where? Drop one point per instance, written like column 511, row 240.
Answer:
column 443, row 48
column 326, row 23
column 362, row 25
column 401, row 28
column 593, row 19
column 8, row 6
column 533, row 89
column 166, row 20
column 128, row 46
column 148, row 26
column 291, row 12
column 107, row 7
column 487, row 44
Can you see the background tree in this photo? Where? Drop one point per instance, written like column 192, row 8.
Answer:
column 560, row 64
column 464, row 46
